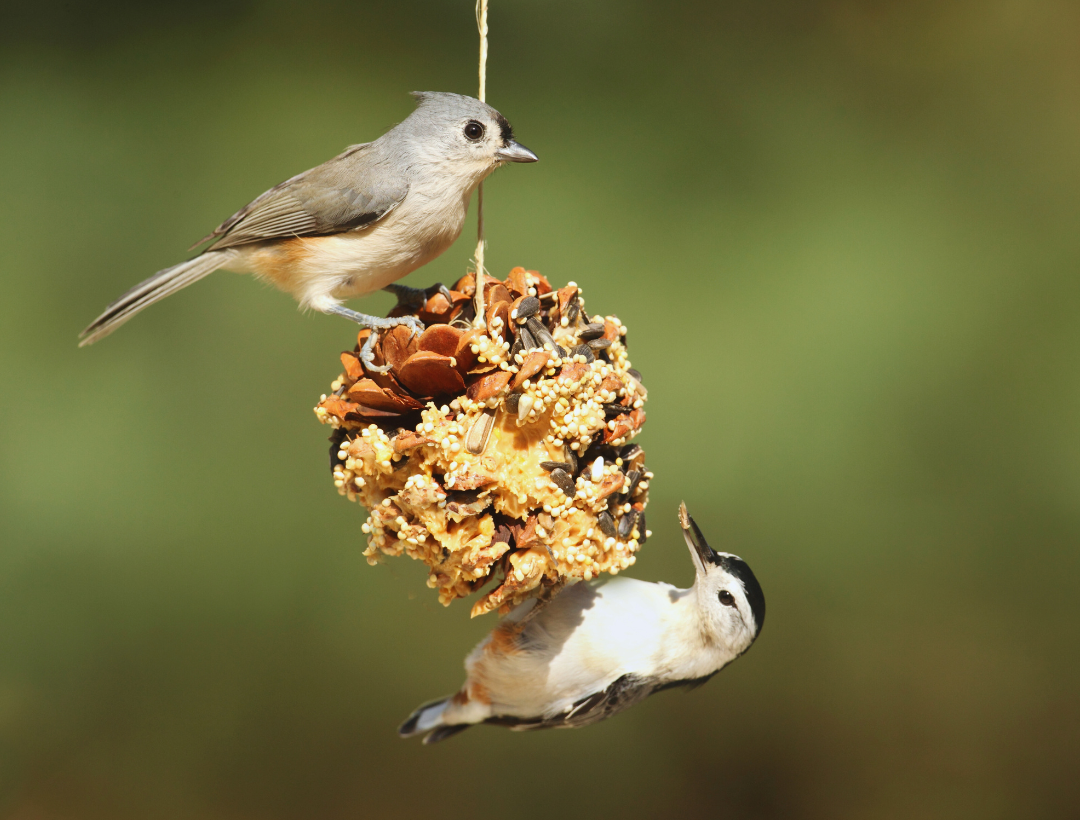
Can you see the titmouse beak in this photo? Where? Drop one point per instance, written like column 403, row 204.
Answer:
column 515, row 152
column 700, row 550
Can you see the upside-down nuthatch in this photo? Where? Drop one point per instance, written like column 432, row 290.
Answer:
column 356, row 223
column 596, row 649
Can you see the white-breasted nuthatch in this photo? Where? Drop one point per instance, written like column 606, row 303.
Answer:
column 356, row 223
column 597, row 648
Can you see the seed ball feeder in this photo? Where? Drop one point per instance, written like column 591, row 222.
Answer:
column 498, row 452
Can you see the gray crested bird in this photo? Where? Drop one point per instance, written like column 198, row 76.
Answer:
column 356, row 223
column 597, row 648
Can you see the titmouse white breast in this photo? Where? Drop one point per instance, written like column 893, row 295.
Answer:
column 598, row 648
column 356, row 223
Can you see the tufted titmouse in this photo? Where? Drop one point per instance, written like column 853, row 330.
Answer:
column 356, row 223
column 596, row 649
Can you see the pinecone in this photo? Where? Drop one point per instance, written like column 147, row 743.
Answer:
column 500, row 453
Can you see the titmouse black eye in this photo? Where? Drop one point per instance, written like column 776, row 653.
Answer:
column 726, row 598
column 474, row 131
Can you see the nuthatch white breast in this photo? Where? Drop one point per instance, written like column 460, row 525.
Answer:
column 597, row 648
column 356, row 223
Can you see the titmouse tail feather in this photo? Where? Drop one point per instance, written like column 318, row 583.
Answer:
column 157, row 287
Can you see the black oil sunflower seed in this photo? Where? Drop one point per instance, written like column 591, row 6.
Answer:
column 517, row 347
column 591, row 331
column 527, row 307
column 557, row 465
column 636, row 374
column 614, row 409
column 584, row 350
column 607, row 524
column 644, row 533
column 564, row 482
column 626, row 524
column 572, row 460
column 526, row 339
column 340, row 435
column 632, row 479
column 573, row 310
column 540, row 332
column 600, row 344
column 512, row 403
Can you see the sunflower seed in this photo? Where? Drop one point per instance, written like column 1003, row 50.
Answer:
column 607, row 524
column 526, row 339
column 573, row 310
column 642, row 531
column 527, row 307
column 556, row 465
column 596, row 470
column 632, row 479
column 572, row 460
column 636, row 374
column 540, row 332
column 626, row 524
column 477, row 439
column 599, row 344
column 339, row 436
column 591, row 331
column 584, row 350
column 614, row 409
column 629, row 453
column 518, row 347
column 512, row 403
column 564, row 482
column 524, row 405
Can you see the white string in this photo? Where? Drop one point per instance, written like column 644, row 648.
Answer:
column 482, row 25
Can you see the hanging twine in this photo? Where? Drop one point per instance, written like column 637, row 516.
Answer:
column 482, row 25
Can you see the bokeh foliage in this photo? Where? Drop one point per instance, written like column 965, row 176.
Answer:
column 844, row 237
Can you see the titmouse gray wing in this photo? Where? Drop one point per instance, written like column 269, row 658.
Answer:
column 350, row 191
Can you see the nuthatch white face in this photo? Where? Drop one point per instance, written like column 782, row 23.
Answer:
column 356, row 223
column 730, row 600
column 598, row 648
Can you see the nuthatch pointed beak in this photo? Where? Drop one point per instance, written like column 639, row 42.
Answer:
column 515, row 152
column 696, row 541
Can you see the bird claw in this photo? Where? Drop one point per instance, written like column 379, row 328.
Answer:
column 367, row 352
column 376, row 323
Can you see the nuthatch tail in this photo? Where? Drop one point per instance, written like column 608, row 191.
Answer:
column 598, row 648
column 356, row 223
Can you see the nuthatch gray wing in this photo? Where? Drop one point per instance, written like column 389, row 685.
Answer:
column 356, row 223
column 598, row 648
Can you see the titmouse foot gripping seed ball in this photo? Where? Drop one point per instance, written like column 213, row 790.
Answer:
column 501, row 454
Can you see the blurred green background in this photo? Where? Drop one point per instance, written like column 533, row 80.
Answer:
column 845, row 237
